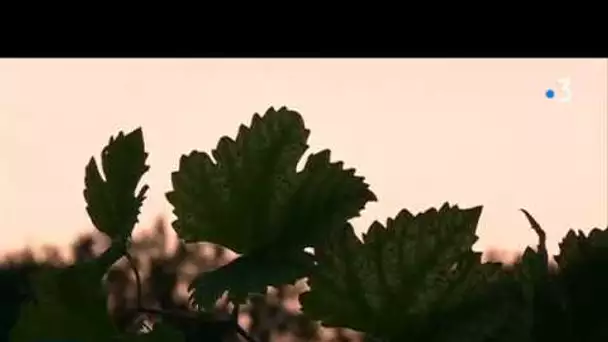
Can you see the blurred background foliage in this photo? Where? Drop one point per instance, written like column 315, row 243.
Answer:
column 166, row 269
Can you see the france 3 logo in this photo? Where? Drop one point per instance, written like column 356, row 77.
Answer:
column 562, row 91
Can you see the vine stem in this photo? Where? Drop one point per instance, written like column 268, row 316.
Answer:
column 174, row 313
column 133, row 267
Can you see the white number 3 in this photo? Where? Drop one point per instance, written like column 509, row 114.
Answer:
column 564, row 84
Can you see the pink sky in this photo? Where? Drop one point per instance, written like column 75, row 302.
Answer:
column 422, row 132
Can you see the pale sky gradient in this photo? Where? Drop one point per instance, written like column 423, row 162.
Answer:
column 422, row 132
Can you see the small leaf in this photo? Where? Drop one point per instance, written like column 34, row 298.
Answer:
column 227, row 202
column 249, row 274
column 111, row 202
column 406, row 278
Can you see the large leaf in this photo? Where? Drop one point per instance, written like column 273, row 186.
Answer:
column 252, row 199
column 405, row 280
column 112, row 202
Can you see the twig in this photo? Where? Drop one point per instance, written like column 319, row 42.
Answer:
column 244, row 334
column 542, row 236
column 180, row 314
column 131, row 262
column 235, row 318
column 235, row 312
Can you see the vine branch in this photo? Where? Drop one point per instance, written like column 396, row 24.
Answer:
column 176, row 313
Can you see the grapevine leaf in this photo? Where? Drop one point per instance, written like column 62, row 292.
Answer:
column 583, row 265
column 405, row 279
column 261, row 270
column 227, row 202
column 578, row 249
column 327, row 196
column 252, row 198
column 111, row 202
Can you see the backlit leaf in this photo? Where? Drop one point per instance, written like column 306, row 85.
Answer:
column 407, row 278
column 251, row 198
column 112, row 202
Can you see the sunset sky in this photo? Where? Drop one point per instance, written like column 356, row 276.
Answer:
column 422, row 132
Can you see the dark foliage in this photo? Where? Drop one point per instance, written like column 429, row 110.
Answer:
column 414, row 278
column 169, row 271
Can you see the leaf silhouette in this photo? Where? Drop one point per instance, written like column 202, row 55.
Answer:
column 112, row 203
column 251, row 273
column 583, row 275
column 252, row 199
column 406, row 279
